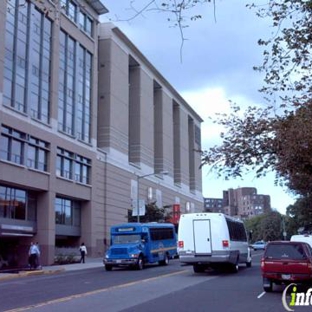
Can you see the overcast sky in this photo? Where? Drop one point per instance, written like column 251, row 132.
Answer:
column 216, row 66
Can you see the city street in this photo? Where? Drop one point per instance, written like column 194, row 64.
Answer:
column 156, row 288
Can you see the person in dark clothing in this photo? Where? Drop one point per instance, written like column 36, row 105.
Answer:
column 83, row 252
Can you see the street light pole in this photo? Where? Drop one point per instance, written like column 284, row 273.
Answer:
column 138, row 189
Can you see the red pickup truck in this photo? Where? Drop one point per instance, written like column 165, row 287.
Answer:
column 285, row 262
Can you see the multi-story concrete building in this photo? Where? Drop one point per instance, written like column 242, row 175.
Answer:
column 242, row 202
column 245, row 202
column 87, row 127
column 214, row 204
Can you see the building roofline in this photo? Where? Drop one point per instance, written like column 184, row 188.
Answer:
column 98, row 6
column 159, row 76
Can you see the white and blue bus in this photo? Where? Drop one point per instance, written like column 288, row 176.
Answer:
column 137, row 244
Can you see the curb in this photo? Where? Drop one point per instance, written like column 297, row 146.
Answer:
column 30, row 273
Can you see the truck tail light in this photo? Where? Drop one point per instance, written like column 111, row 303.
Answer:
column 264, row 262
column 181, row 244
column 225, row 243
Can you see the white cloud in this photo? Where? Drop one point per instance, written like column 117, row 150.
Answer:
column 207, row 102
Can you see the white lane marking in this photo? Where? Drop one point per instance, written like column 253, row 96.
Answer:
column 261, row 295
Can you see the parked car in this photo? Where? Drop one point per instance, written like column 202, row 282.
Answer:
column 260, row 245
column 285, row 262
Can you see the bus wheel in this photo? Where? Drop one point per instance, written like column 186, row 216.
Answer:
column 140, row 263
column 165, row 261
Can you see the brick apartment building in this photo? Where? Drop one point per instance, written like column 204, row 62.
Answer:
column 242, row 202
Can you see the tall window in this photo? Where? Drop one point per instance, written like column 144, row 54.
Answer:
column 70, row 9
column 22, row 149
column 72, row 166
column 40, row 69
column 37, row 154
column 86, row 23
column 67, row 212
column 17, row 204
column 84, row 94
column 27, row 60
column 74, row 108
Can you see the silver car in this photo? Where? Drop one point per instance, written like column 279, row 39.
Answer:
column 259, row 245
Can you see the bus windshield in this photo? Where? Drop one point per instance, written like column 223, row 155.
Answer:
column 126, row 239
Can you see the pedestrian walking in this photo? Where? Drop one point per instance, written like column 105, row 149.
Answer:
column 38, row 257
column 83, row 252
column 33, row 255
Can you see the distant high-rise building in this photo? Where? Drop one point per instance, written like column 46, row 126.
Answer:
column 213, row 205
column 242, row 202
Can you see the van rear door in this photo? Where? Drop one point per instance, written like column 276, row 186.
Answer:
column 202, row 237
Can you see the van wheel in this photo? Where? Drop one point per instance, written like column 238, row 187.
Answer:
column 140, row 264
column 197, row 268
column 234, row 267
column 248, row 264
column 267, row 285
column 108, row 267
column 165, row 261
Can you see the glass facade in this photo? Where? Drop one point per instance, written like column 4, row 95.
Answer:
column 17, row 204
column 40, row 69
column 67, row 212
column 72, row 166
column 74, row 105
column 23, row 149
column 27, row 66
column 86, row 23
column 69, row 7
column 76, row 14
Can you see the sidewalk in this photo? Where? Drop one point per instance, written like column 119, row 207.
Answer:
column 52, row 269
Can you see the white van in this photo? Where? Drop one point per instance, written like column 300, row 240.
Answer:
column 212, row 240
column 306, row 238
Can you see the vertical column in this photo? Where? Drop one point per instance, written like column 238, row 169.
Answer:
column 134, row 114
column 191, row 152
column 168, row 147
column 158, row 129
column 197, row 158
column 176, row 144
column 141, row 118
column 184, row 147
column 46, row 226
column 112, row 115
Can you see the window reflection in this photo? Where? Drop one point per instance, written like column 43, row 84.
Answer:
column 67, row 212
column 21, row 149
column 14, row 205
column 32, row 51
column 72, row 166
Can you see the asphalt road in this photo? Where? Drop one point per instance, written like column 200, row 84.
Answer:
column 156, row 288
